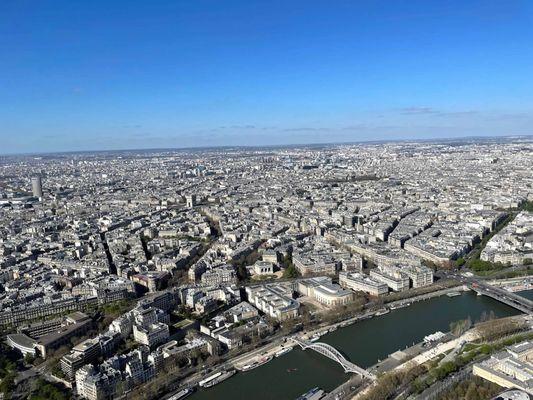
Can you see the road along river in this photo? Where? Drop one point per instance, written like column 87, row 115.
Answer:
column 364, row 343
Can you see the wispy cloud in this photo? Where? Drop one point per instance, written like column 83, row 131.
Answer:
column 131, row 126
column 458, row 113
column 417, row 110
column 414, row 110
column 512, row 117
column 306, row 129
column 237, row 127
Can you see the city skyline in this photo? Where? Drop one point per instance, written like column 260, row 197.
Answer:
column 329, row 269
column 200, row 148
column 245, row 199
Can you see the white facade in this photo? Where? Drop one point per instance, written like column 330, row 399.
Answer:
column 363, row 283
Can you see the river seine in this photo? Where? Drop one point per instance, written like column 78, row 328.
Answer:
column 364, row 343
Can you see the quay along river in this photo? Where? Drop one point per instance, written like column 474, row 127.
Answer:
column 364, row 343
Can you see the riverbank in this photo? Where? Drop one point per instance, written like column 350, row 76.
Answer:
column 278, row 344
column 388, row 307
column 521, row 284
column 363, row 343
column 447, row 355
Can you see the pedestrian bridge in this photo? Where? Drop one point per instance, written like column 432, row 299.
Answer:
column 333, row 354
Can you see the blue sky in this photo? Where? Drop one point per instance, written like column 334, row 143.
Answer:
column 83, row 75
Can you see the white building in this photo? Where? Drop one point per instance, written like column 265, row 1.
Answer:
column 263, row 268
column 396, row 281
column 512, row 368
column 418, row 276
column 151, row 335
column 360, row 282
column 273, row 300
column 324, row 291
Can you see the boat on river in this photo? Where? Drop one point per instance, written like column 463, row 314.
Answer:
column 181, row 394
column 395, row 307
column 453, row 294
column 262, row 361
column 217, row 378
column 282, row 352
column 313, row 394
column 314, row 338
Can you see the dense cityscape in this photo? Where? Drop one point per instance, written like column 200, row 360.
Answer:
column 266, row 200
column 166, row 273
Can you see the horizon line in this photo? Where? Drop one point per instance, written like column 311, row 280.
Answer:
column 264, row 146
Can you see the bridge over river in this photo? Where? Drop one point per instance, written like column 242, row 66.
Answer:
column 504, row 296
column 333, row 354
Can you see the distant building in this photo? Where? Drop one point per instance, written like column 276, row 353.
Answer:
column 325, row 292
column 273, row 300
column 511, row 368
column 91, row 384
column 270, row 256
column 152, row 280
column 308, row 264
column 21, row 342
column 81, row 354
column 223, row 275
column 151, row 335
column 355, row 263
column 194, row 342
column 396, row 281
column 190, row 200
column 512, row 395
column 418, row 276
column 263, row 268
column 37, row 186
column 362, row 283
column 205, row 305
column 41, row 337
column 88, row 351
column 241, row 312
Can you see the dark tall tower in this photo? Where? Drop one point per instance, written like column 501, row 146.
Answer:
column 37, row 186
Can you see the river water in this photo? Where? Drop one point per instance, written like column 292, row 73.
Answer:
column 364, row 343
column 528, row 294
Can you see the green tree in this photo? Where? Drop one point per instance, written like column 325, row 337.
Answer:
column 8, row 384
column 290, row 272
column 44, row 390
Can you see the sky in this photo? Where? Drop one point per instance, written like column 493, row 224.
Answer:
column 101, row 75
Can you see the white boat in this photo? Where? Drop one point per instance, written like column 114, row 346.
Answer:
column 205, row 381
column 181, row 394
column 400, row 306
column 382, row 312
column 282, row 352
column 256, row 364
column 313, row 394
column 453, row 294
column 221, row 378
column 314, row 338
